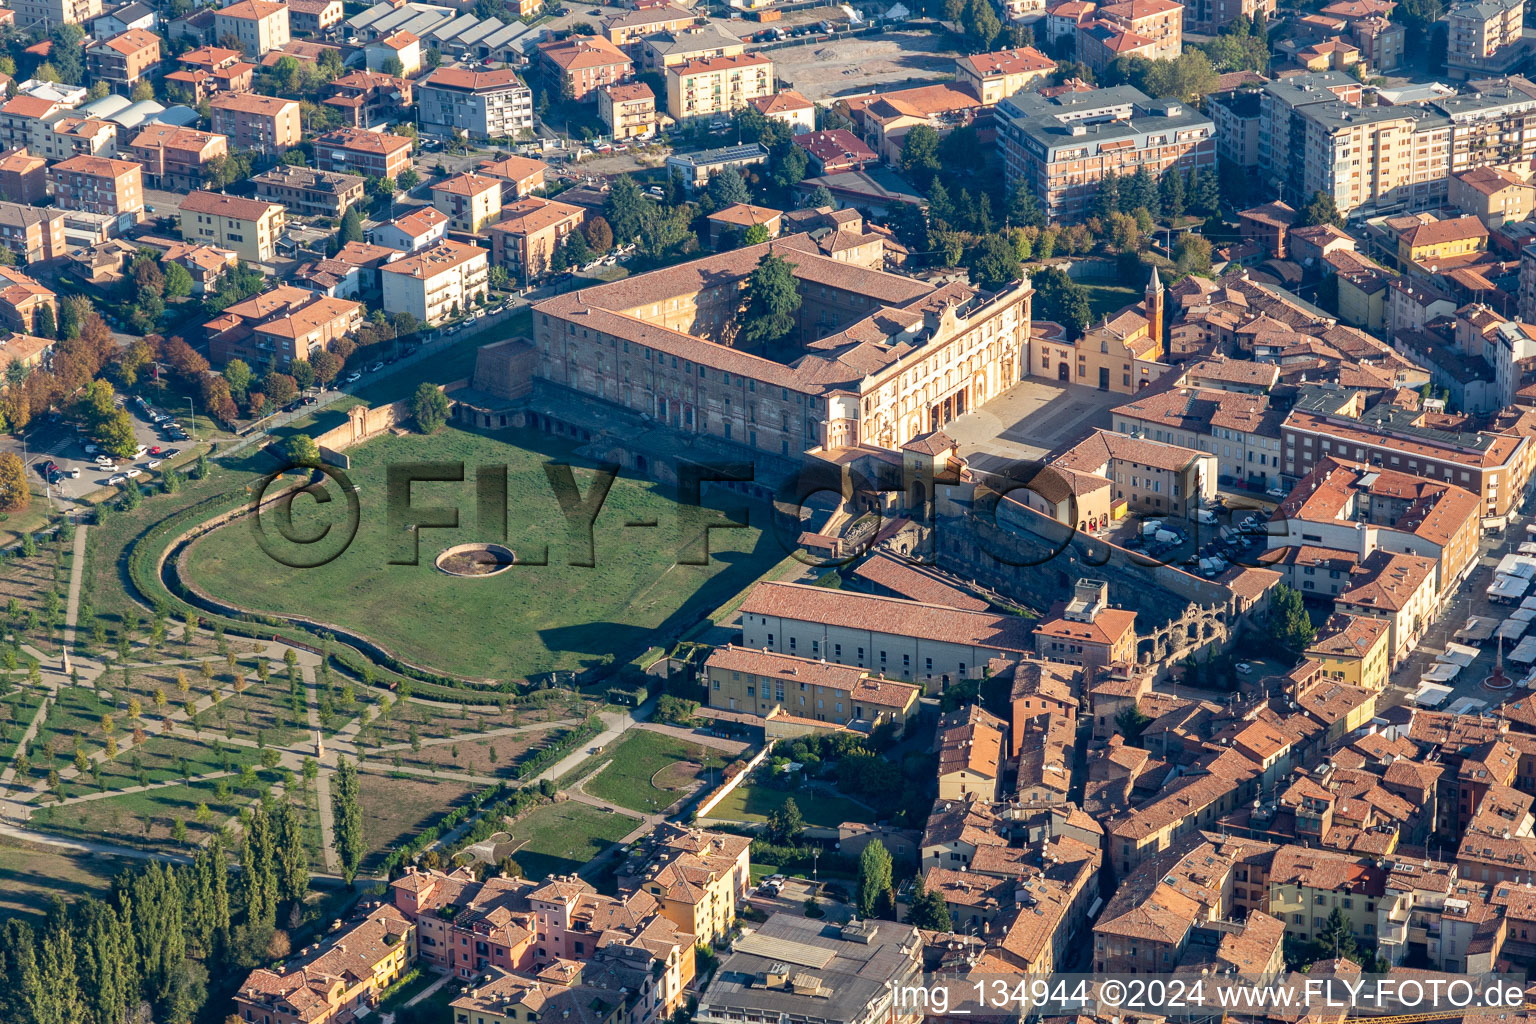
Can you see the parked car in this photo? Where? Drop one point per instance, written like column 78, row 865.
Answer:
column 353, row 377
column 169, row 452
column 113, row 481
column 152, row 464
column 74, row 474
column 1278, row 493
column 103, row 460
column 134, row 472
column 376, row 367
column 91, row 449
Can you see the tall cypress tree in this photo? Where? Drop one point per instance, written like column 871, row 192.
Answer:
column 348, row 824
column 259, row 877
column 18, row 955
column 107, row 966
column 292, row 859
column 50, row 988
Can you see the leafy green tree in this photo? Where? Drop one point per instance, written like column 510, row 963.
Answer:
column 1059, row 298
column 237, row 373
column 727, row 188
column 993, row 262
column 920, row 156
column 772, row 300
column 43, row 322
column 928, row 909
column 787, row 823
column 1289, row 624
column 301, row 450
column 625, row 209
column 1193, row 254
column 874, row 884
column 430, row 407
column 178, row 282
column 347, row 839
column 351, row 229
column 1321, row 210
column 757, row 234
column 1171, row 194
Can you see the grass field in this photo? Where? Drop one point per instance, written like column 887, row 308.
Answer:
column 636, row 760
column 394, row 809
column 1108, row 298
column 31, row 873
column 531, row 619
column 564, row 837
column 135, row 819
column 755, row 803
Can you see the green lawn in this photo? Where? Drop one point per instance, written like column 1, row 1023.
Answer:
column 32, row 873
column 136, row 818
column 530, row 619
column 755, row 803
column 161, row 758
column 634, row 761
column 562, row 838
column 1107, row 299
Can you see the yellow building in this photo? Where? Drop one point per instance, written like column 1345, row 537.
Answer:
column 996, row 76
column 1399, row 589
column 696, row 877
column 470, row 201
column 1492, row 195
column 259, row 25
column 1306, row 885
column 1428, row 241
column 248, row 227
column 1122, row 354
column 717, row 86
column 972, row 749
column 762, row 682
column 1353, row 649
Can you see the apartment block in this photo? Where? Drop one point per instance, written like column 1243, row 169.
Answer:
column 64, row 134
column 368, row 98
column 48, row 15
column 524, row 240
column 628, row 109
column 778, row 686
column 249, row 227
column 482, row 104
column 717, row 86
column 308, row 192
column 470, row 201
column 1483, row 37
column 519, row 175
column 314, row 17
column 1161, row 21
column 281, row 325
column 996, row 76
column 710, row 39
column 580, row 65
column 20, row 299
column 266, row 124
column 124, row 59
column 438, row 282
column 23, row 177
column 1060, row 147
column 627, row 30
column 93, row 184
column 358, row 151
column 337, row 977
column 32, row 233
column 404, row 47
column 260, row 25
column 422, row 227
column 176, row 158
column 1209, row 17
column 1492, row 195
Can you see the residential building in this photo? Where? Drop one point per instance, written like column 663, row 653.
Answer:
column 862, row 965
column 281, row 325
column 259, row 25
column 20, row 299
column 1492, row 195
column 121, row 19
column 777, row 687
column 23, row 177
column 401, row 47
column 1268, row 225
column 1353, row 649
column 525, row 238
column 1216, row 785
column 909, row 641
column 17, row 116
column 697, row 168
column 176, row 158
column 628, row 109
column 661, row 50
column 249, row 227
column 470, row 201
column 1399, row 588
column 996, row 76
column 1208, row 17
column 1428, row 242
column 697, row 878
column 93, row 184
column 1493, row 464
column 308, row 192
column 1153, row 477
column 717, row 86
column 1085, row 630
column 578, row 65
column 207, row 264
column 1241, row 430
column 972, row 748
column 835, row 151
column 519, row 175
column 1060, row 147
column 482, row 104
column 423, row 227
column 368, row 99
column 62, row 135
column 48, row 15
column 1483, row 37
column 25, row 351
column 627, row 30
column 728, row 226
column 266, row 124
column 210, row 70
column 32, row 233
column 124, row 59
column 366, row 153
column 308, row 18
column 1161, row 21
column 436, row 283
column 788, row 106
column 343, row 974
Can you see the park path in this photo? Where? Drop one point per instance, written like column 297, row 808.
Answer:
column 323, row 777
column 76, row 578
column 466, row 737
column 694, row 736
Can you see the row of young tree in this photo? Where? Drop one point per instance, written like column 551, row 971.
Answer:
column 155, row 944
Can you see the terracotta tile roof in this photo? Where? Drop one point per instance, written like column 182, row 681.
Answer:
column 1387, row 580
column 1438, row 232
column 468, row 185
column 1489, row 180
column 513, row 168
column 251, row 9
column 1095, row 453
column 745, row 215
column 710, row 65
column 1009, row 62
column 360, row 140
column 445, row 255
column 782, row 102
column 218, row 205
column 888, row 615
column 916, row 583
column 1234, row 371
column 1108, row 627
column 421, row 221
column 251, row 103
column 533, row 213
column 858, row 683
column 132, row 41
column 581, row 52
column 1347, row 636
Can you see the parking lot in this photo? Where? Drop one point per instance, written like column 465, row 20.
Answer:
column 56, row 440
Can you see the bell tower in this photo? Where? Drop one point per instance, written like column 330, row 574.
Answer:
column 1154, row 310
